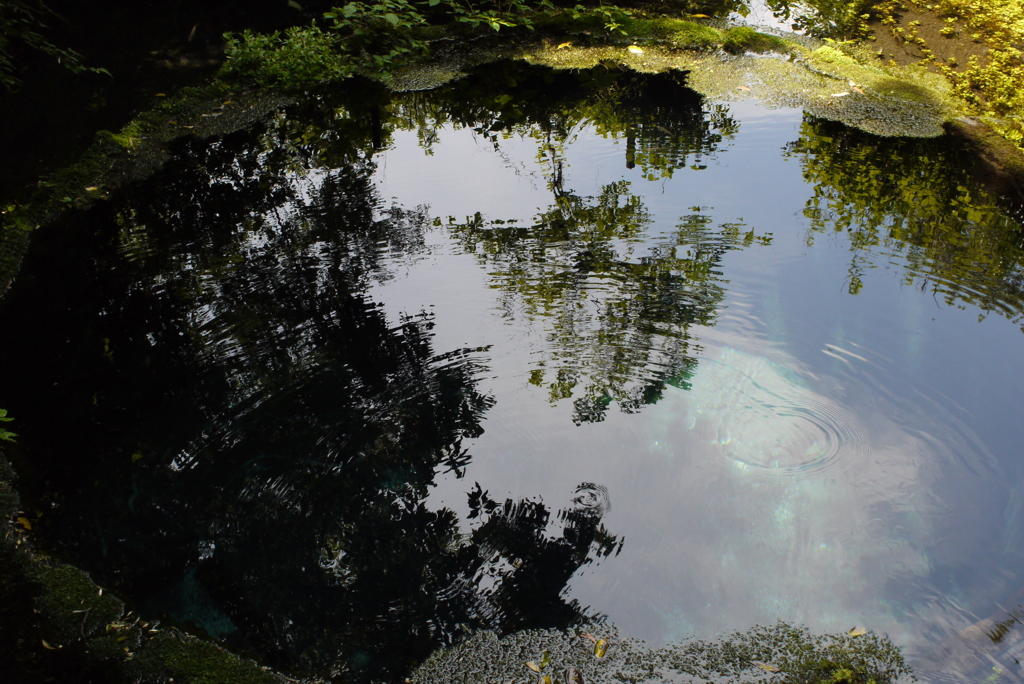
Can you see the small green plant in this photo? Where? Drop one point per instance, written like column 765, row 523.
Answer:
column 380, row 33
column 6, row 435
column 303, row 56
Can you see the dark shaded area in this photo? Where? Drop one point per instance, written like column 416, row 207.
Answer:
column 226, row 429
column 148, row 46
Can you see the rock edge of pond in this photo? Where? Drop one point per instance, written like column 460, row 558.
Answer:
column 65, row 622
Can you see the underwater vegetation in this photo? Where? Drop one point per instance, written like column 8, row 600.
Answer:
column 775, row 653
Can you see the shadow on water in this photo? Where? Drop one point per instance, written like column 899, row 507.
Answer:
column 228, row 429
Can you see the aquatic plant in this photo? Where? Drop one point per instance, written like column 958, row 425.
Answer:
column 775, row 653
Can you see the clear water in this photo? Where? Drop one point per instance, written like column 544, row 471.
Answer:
column 530, row 348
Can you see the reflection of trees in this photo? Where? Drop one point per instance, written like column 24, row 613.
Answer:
column 914, row 198
column 618, row 324
column 663, row 123
column 258, row 439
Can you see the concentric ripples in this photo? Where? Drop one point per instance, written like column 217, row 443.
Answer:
column 761, row 417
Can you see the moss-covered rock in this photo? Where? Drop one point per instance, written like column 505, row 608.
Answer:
column 740, row 39
column 184, row 659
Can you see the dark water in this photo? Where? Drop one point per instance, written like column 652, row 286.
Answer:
column 534, row 347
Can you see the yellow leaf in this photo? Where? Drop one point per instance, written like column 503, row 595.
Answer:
column 533, row 666
column 635, row 49
column 600, row 647
column 564, row 45
column 700, row 16
column 25, row 523
column 765, row 666
column 857, row 631
column 91, row 188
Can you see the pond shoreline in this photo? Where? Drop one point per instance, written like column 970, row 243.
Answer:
column 133, row 154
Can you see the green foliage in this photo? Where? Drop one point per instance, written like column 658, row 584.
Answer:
column 913, row 198
column 379, row 34
column 21, row 21
column 6, row 435
column 303, row 56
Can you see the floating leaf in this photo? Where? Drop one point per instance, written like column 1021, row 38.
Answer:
column 857, row 90
column 744, row 88
column 545, row 658
column 600, row 647
column 533, row 666
column 765, row 666
column 700, row 16
column 25, row 523
column 573, row 676
column 48, row 646
column 562, row 46
column 636, row 49
column 857, row 631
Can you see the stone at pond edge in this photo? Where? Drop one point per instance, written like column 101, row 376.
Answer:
column 86, row 627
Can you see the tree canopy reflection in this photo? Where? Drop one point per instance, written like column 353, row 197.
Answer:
column 616, row 300
column 915, row 199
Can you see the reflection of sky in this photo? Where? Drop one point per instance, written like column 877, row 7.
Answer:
column 908, row 528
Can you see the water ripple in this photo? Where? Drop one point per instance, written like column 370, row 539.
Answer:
column 765, row 420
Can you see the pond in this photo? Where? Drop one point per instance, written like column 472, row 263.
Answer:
column 531, row 348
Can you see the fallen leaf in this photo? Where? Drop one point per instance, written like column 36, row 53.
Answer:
column 700, row 16
column 573, row 676
column 857, row 631
column 48, row 646
column 600, row 647
column 589, row 637
column 91, row 188
column 857, row 90
column 546, row 679
column 636, row 49
column 161, row 94
column 843, row 94
column 533, row 666
column 25, row 523
column 564, row 45
column 545, row 658
column 743, row 88
column 765, row 666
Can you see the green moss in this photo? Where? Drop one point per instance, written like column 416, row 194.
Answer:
column 75, row 607
column 685, row 34
column 187, row 660
column 740, row 39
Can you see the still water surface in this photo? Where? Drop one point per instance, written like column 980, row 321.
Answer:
column 530, row 348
